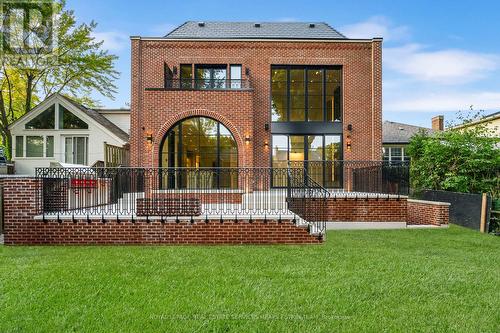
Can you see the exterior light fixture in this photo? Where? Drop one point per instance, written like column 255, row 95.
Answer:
column 266, row 144
column 149, row 138
column 348, row 141
column 247, row 140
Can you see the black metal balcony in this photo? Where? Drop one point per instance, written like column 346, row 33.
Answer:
column 205, row 84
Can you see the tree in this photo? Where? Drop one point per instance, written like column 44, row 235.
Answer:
column 76, row 66
column 461, row 159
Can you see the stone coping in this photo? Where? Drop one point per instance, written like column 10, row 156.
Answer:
column 227, row 217
column 435, row 203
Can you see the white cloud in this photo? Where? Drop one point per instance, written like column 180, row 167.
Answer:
column 113, row 40
column 376, row 26
column 410, row 101
column 449, row 66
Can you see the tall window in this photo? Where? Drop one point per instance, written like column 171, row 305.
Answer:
column 279, row 95
column 19, row 146
column 318, row 154
column 186, row 76
column 210, row 76
column 200, row 142
column 306, row 93
column 235, row 76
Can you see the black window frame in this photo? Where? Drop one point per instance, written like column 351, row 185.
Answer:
column 211, row 80
column 306, row 153
column 323, row 68
column 177, row 158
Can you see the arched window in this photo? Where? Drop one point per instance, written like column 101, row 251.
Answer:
column 201, row 143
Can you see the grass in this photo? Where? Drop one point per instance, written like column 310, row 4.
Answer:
column 424, row 280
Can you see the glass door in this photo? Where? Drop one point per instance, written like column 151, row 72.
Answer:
column 76, row 150
column 211, row 76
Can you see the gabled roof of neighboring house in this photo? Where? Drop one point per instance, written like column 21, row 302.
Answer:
column 93, row 114
column 254, row 30
column 122, row 110
column 393, row 132
column 484, row 119
column 100, row 119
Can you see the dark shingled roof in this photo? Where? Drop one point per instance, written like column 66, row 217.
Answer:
column 400, row 133
column 249, row 30
column 100, row 119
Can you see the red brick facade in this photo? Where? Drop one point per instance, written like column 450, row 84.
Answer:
column 413, row 212
column 422, row 212
column 246, row 113
column 351, row 209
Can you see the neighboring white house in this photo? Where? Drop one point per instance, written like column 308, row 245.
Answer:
column 119, row 117
column 61, row 130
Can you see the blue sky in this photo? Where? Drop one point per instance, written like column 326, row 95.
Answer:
column 439, row 56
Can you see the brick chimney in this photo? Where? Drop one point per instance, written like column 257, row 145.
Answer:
column 438, row 123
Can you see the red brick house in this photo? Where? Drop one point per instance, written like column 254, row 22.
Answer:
column 233, row 94
column 239, row 133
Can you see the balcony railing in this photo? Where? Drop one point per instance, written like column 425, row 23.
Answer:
column 205, row 84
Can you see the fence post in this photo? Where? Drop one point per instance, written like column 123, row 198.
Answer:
column 483, row 213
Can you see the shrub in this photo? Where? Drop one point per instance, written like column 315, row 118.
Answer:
column 465, row 159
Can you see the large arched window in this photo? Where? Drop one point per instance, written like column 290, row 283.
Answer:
column 201, row 143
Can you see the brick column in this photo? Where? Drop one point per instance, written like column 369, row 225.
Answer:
column 19, row 207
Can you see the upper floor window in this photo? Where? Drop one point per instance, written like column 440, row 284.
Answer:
column 306, row 93
column 210, row 76
column 45, row 120
column 68, row 120
column 395, row 154
column 186, row 76
column 235, row 72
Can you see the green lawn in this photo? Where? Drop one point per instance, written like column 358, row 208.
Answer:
column 426, row 280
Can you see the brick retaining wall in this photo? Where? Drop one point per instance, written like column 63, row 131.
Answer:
column 155, row 232
column 21, row 227
column 421, row 212
column 348, row 209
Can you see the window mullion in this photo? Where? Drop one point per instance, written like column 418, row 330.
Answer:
column 288, row 94
column 56, row 115
column 306, row 95
column 325, row 115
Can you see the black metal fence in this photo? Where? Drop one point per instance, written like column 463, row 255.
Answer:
column 382, row 177
column 378, row 177
column 225, row 193
column 240, row 193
